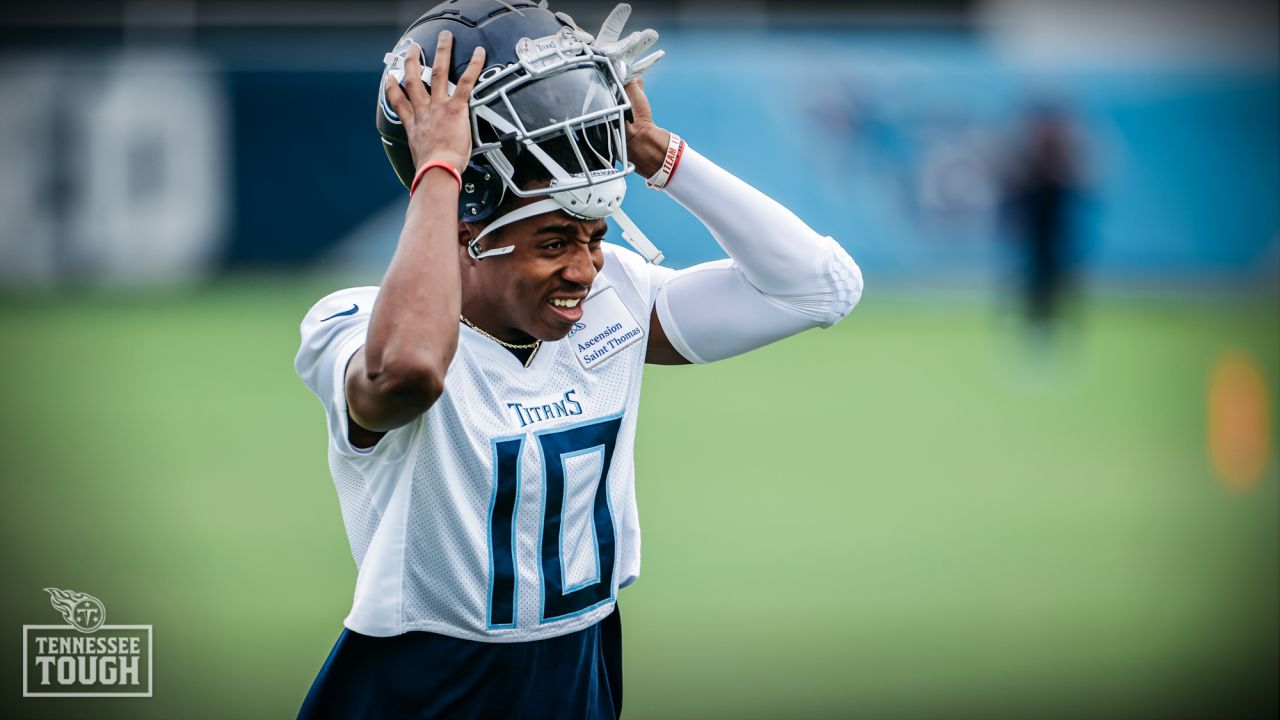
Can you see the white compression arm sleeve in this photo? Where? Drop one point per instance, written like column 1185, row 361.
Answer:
column 781, row 277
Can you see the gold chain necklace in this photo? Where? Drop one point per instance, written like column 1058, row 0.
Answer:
column 535, row 345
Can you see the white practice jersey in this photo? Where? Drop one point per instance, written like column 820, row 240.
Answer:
column 507, row 511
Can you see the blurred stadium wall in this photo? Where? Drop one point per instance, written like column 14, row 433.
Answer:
column 163, row 142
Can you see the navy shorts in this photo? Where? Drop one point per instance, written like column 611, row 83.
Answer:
column 425, row 675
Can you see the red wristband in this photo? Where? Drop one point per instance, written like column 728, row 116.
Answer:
column 417, row 177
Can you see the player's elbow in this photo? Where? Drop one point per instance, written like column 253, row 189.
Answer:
column 844, row 284
column 411, row 385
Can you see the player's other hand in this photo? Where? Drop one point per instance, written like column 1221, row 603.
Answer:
column 437, row 123
column 646, row 142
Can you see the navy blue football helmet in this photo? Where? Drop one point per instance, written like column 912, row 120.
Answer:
column 547, row 107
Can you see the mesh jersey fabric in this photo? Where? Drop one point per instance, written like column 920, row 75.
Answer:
column 433, row 509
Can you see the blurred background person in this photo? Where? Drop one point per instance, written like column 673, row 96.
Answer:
column 1043, row 186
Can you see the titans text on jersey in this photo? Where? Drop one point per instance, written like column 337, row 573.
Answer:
column 528, row 414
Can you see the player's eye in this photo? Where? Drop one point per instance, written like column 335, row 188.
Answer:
column 557, row 244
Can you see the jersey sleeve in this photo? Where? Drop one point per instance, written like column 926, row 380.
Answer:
column 637, row 280
column 332, row 332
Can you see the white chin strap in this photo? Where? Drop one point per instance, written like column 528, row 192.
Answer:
column 637, row 239
column 604, row 201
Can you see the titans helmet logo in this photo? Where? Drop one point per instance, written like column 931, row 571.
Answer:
column 82, row 611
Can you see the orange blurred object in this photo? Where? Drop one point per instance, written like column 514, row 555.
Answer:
column 1239, row 421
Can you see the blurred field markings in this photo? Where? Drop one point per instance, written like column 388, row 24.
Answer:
column 1239, row 426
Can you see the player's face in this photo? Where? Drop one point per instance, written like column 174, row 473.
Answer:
column 540, row 287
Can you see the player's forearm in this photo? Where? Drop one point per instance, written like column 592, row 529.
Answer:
column 413, row 332
column 775, row 251
column 781, row 277
column 752, row 227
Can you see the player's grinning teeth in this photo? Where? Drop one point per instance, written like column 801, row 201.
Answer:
column 561, row 302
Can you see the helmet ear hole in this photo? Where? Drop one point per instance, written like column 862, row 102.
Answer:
column 482, row 193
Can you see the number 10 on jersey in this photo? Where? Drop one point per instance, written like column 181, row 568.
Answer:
column 559, row 601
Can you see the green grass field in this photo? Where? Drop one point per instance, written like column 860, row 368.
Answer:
column 901, row 517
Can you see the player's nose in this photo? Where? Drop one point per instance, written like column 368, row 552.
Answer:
column 580, row 268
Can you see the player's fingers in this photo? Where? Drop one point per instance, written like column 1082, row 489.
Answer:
column 640, row 112
column 400, row 104
column 468, row 80
column 413, row 76
column 440, row 65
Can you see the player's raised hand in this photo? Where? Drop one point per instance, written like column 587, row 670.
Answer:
column 436, row 121
column 646, row 142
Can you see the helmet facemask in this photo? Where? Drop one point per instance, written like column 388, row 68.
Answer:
column 560, row 112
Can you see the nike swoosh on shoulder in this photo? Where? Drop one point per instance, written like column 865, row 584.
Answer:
column 352, row 311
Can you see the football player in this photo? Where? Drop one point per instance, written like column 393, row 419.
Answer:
column 482, row 401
